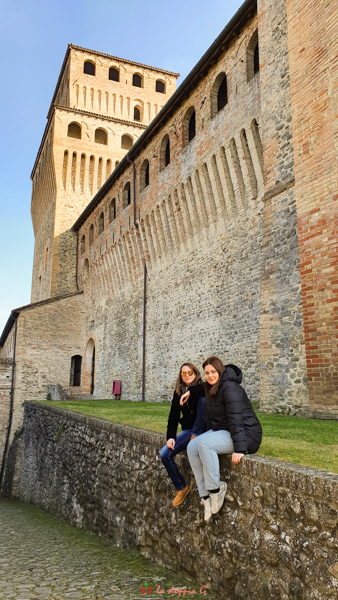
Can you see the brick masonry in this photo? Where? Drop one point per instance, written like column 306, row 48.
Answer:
column 314, row 92
column 274, row 539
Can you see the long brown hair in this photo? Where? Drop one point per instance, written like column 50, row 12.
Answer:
column 180, row 387
column 218, row 365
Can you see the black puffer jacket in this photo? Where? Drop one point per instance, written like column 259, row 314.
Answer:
column 189, row 412
column 231, row 410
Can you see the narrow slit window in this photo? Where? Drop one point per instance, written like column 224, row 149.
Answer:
column 112, row 210
column 192, row 126
column 126, row 195
column 101, row 223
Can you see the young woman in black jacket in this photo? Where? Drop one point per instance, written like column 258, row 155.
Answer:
column 191, row 416
column 231, row 428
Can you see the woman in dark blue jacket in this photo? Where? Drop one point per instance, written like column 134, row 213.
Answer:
column 231, row 428
column 191, row 417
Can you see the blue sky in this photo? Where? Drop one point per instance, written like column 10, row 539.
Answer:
column 33, row 41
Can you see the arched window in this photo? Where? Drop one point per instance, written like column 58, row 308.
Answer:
column 189, row 126
column 114, row 74
column 219, row 94
column 137, row 80
column 160, row 86
column 108, row 168
column 256, row 59
column 252, row 56
column 192, row 126
column 101, row 223
column 101, row 136
column 126, row 142
column 91, row 235
column 117, row 162
column 165, row 152
column 144, row 175
column 89, row 369
column 74, row 131
column 89, row 68
column 83, row 245
column 75, row 370
column 112, row 210
column 126, row 195
column 137, row 114
column 85, row 269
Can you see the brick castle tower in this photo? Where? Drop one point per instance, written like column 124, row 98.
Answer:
column 100, row 107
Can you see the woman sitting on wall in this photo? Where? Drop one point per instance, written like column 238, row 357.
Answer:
column 192, row 422
column 231, row 428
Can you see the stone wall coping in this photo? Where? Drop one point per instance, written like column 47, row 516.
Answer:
column 313, row 481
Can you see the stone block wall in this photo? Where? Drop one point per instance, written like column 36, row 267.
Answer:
column 274, row 539
column 5, row 399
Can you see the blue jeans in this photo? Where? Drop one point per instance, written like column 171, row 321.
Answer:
column 203, row 454
column 167, row 457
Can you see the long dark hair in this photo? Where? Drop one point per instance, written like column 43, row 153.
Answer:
column 218, row 365
column 180, row 387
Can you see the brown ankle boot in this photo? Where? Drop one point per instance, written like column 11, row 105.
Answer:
column 181, row 495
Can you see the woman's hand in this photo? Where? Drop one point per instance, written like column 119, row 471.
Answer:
column 236, row 457
column 171, row 443
column 184, row 398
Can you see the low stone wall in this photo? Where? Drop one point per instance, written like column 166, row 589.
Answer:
column 275, row 537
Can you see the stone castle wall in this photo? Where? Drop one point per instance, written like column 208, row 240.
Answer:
column 6, row 365
column 44, row 348
column 217, row 229
column 274, row 539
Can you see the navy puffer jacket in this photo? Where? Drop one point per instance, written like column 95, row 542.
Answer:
column 231, row 410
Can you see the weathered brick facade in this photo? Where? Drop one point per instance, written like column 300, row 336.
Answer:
column 314, row 98
column 83, row 141
column 236, row 225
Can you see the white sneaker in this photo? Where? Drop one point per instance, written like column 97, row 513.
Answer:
column 218, row 499
column 206, row 502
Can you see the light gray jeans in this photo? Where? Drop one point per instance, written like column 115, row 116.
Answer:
column 203, row 454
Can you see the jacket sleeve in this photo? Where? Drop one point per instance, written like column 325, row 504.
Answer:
column 199, row 425
column 174, row 417
column 232, row 397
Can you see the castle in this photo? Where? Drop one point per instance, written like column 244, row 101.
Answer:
column 174, row 224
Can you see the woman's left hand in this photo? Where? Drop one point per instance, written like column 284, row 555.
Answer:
column 184, row 398
column 236, row 457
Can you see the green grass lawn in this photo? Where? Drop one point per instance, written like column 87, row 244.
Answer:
column 309, row 442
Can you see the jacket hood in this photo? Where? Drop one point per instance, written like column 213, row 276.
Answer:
column 232, row 373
